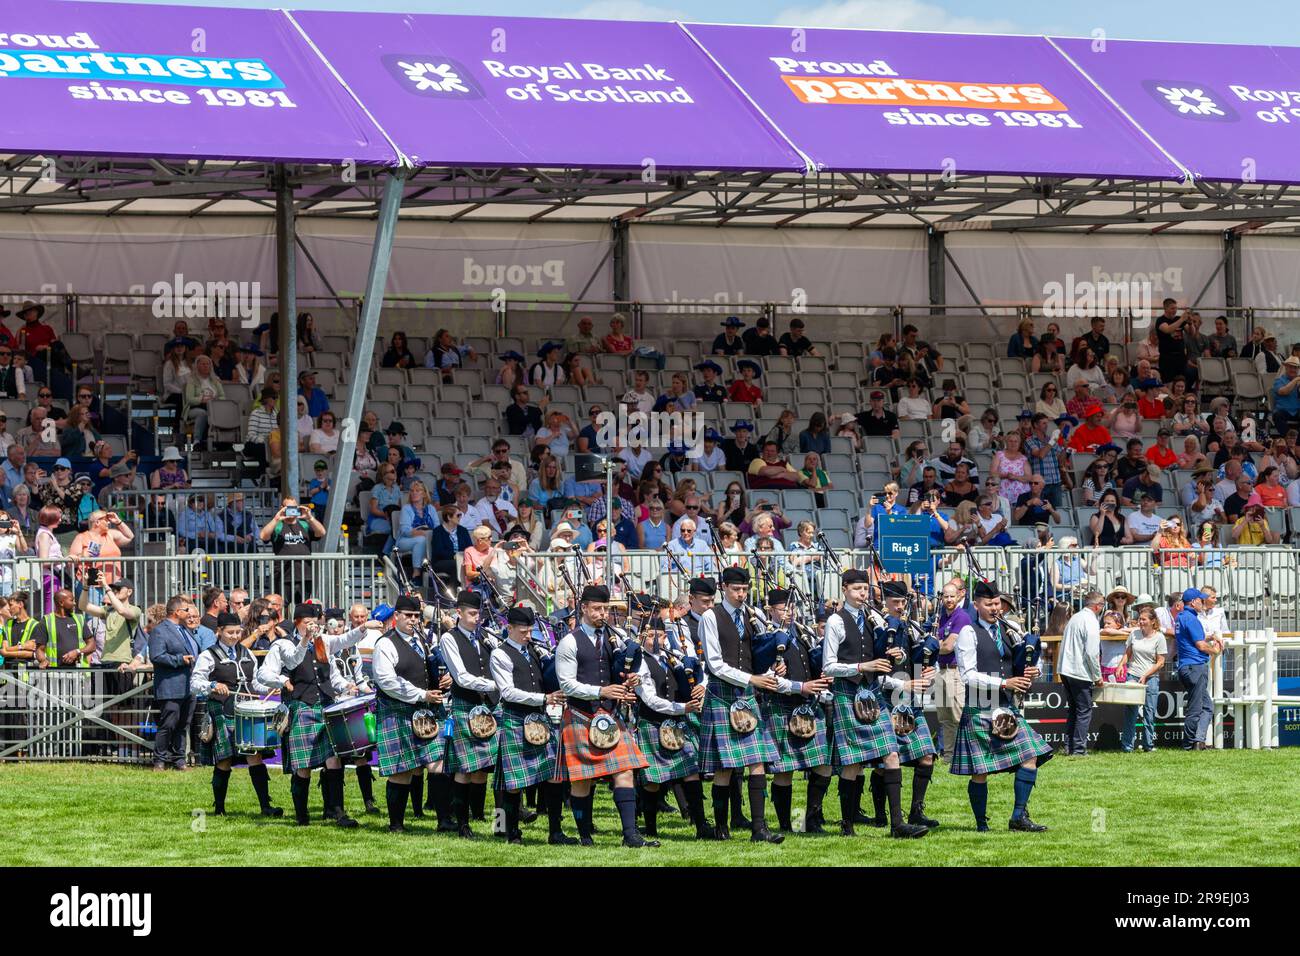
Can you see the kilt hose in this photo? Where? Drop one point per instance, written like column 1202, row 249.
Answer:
column 666, row 766
column 308, row 746
column 579, row 760
column 978, row 751
column 721, row 748
column 222, row 746
column 854, row 741
column 467, row 753
column 397, row 747
column 519, row 763
column 794, row 753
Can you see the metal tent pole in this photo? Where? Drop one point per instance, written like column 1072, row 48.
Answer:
column 363, row 353
column 287, row 307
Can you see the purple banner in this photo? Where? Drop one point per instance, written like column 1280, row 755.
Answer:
column 503, row 91
column 924, row 102
column 110, row 79
column 1224, row 112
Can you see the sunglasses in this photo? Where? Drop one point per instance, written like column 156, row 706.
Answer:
column 6, row 352
column 44, row 395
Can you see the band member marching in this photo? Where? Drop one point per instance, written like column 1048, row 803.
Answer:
column 993, row 736
column 862, row 731
column 595, row 742
column 915, row 745
column 301, row 670
column 408, row 709
column 529, row 745
column 472, row 750
column 218, row 673
column 796, row 721
column 348, row 665
column 733, row 735
column 669, row 692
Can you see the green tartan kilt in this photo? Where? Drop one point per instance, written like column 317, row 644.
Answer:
column 666, row 765
column 222, row 746
column 854, row 741
column 977, row 751
column 519, row 763
column 309, row 744
column 721, row 748
column 917, row 744
column 398, row 749
column 467, row 753
column 792, row 752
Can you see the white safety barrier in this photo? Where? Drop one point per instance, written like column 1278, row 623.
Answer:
column 1253, row 700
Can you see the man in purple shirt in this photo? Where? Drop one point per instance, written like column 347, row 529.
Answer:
column 950, row 695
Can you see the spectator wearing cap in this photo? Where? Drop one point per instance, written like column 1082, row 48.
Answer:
column 1145, row 484
column 512, row 371
column 795, row 344
column 710, row 389
column 1161, row 454
column 318, row 489
column 1286, row 396
column 745, row 389
column 729, row 342
column 876, row 420
column 317, row 403
column 589, row 435
column 547, row 372
column 1092, row 432
column 1268, row 361
column 759, row 340
column 618, row 342
column 1195, row 653
column 740, row 450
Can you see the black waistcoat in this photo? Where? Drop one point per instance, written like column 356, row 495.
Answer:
column 311, row 678
column 525, row 673
column 987, row 658
column 736, row 647
column 665, row 682
column 410, row 665
column 231, row 663
column 798, row 666
column 474, row 662
column 853, row 649
column 593, row 668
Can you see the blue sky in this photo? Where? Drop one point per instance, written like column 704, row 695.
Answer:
column 1244, row 21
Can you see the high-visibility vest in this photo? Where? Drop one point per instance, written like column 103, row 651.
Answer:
column 7, row 631
column 52, row 643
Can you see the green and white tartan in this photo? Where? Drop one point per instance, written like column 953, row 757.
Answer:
column 666, row 765
column 721, row 748
column 222, row 746
column 467, row 753
column 853, row 741
column 309, row 744
column 977, row 751
column 912, row 747
column 397, row 747
column 519, row 763
column 792, row 752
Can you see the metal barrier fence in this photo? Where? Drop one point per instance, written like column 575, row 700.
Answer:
column 336, row 580
column 218, row 527
column 97, row 714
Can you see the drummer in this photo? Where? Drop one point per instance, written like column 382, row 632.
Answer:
column 220, row 672
column 402, row 678
column 348, row 664
column 300, row 667
column 517, row 672
column 465, row 653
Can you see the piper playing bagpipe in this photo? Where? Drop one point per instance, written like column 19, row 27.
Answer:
column 994, row 736
column 863, row 730
column 904, row 642
column 796, row 720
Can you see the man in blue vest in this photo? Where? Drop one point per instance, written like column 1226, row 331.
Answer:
column 1195, row 651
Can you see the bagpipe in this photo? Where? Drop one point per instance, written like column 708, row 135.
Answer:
column 1026, row 651
column 768, row 650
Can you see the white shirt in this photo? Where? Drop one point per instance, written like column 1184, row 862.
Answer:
column 384, row 667
column 1080, row 653
column 831, row 642
column 1215, row 622
column 646, row 691
column 1166, row 621
column 503, row 670
column 636, row 460
column 566, row 665
column 645, row 401
column 913, row 409
column 972, row 676
column 1142, row 525
column 287, row 653
column 200, row 682
column 481, row 512
column 711, row 461
column 697, row 559
column 713, row 660
column 456, row 666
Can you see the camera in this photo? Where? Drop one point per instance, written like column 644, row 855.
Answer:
column 765, row 507
column 293, row 512
column 264, row 618
column 95, row 578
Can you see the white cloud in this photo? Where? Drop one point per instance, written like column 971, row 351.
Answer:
column 890, row 15
column 626, row 10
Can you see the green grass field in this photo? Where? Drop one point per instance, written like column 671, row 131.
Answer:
column 1232, row 808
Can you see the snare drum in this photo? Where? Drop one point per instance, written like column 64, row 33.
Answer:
column 351, row 726
column 257, row 725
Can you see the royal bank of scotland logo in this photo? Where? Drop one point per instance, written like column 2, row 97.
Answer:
column 428, row 75
column 1191, row 99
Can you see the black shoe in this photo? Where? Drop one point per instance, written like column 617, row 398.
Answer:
column 527, row 814
column 586, row 841
column 846, row 828
column 741, row 822
column 302, row 821
column 345, row 822
column 918, row 817
column 909, row 831
column 1025, row 825
column 269, row 811
column 464, row 832
column 706, row 832
column 417, row 814
column 981, row 828
column 812, row 826
column 721, row 833
column 446, row 826
column 371, row 809
column 636, row 841
column 515, row 839
column 396, row 828
column 561, row 839
column 219, row 813
column 878, row 822
column 764, row 835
